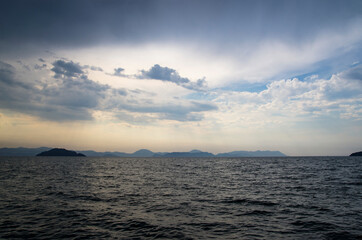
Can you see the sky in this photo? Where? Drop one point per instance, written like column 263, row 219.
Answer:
column 172, row 75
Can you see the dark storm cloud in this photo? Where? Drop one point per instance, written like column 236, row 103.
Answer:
column 70, row 23
column 226, row 23
column 171, row 75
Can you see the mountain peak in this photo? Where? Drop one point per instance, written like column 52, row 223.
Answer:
column 142, row 153
column 195, row 151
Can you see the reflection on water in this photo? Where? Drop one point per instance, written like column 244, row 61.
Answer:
column 238, row 198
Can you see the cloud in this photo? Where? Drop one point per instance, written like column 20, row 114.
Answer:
column 340, row 96
column 93, row 68
column 82, row 93
column 119, row 72
column 66, row 69
column 254, row 37
column 62, row 68
column 6, row 73
column 184, row 112
column 7, row 78
column 238, row 22
column 353, row 73
column 134, row 119
column 189, row 117
column 151, row 118
column 70, row 69
column 71, row 96
column 166, row 74
column 96, row 68
column 151, row 107
column 40, row 67
column 171, row 107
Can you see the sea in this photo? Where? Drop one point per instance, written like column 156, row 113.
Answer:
column 181, row 198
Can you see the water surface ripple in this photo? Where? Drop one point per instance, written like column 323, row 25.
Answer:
column 201, row 198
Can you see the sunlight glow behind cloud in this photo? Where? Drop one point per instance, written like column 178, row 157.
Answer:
column 166, row 75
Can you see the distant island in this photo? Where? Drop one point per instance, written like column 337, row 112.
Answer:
column 193, row 153
column 46, row 151
column 356, row 154
column 61, row 152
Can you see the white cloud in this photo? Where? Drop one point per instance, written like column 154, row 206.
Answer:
column 296, row 100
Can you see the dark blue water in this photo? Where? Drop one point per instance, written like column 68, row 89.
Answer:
column 149, row 198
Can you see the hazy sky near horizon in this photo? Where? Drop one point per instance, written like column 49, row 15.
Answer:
column 171, row 75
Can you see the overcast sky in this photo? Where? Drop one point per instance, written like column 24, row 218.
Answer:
column 175, row 75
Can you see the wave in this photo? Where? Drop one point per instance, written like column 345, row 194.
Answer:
column 250, row 201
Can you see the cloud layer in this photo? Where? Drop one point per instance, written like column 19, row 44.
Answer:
column 70, row 95
column 216, row 72
column 294, row 100
column 144, row 21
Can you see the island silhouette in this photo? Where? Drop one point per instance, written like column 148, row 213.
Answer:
column 60, row 152
column 356, row 154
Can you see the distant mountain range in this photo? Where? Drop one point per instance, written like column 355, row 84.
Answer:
column 143, row 153
column 20, row 151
